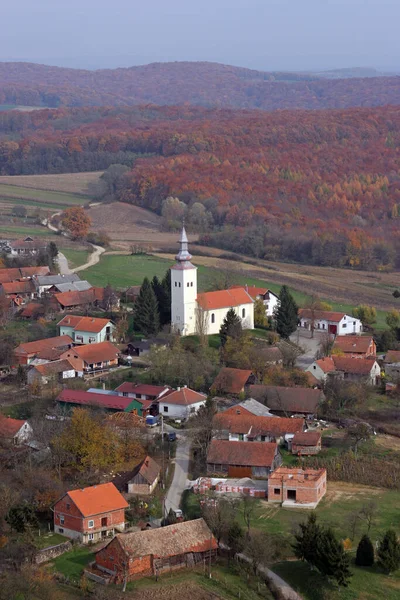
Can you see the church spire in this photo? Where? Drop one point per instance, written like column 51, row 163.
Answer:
column 183, row 254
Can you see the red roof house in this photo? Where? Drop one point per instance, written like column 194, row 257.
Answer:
column 96, row 357
column 294, row 487
column 241, row 425
column 232, row 381
column 241, row 459
column 14, row 431
column 306, row 443
column 181, row 403
column 25, row 353
column 142, row 391
column 109, row 402
column 355, row 345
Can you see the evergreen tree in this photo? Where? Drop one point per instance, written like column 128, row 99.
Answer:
column 166, row 283
column 231, row 326
column 145, row 312
column 389, row 552
column 365, row 552
column 286, row 313
column 307, row 540
column 331, row 559
column 163, row 299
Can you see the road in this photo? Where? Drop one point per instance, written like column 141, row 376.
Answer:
column 94, row 258
column 311, row 346
column 174, row 494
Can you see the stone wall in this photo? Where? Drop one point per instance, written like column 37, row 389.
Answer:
column 51, row 552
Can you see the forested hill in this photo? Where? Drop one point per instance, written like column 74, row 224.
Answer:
column 198, row 83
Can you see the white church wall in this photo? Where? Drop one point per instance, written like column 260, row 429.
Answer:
column 217, row 316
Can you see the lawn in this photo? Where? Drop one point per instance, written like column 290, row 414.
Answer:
column 49, row 539
column 71, row 564
column 75, row 257
column 32, row 230
column 366, row 584
column 61, row 198
column 9, row 202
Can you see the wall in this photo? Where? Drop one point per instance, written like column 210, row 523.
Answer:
column 183, row 299
column 220, row 314
column 349, row 325
column 52, row 552
column 179, row 411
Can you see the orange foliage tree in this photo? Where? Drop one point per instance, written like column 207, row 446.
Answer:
column 76, row 222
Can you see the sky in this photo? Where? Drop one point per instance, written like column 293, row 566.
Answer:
column 259, row 34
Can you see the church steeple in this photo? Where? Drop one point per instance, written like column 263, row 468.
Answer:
column 183, row 254
column 183, row 289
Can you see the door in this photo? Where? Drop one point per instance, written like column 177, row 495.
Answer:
column 239, row 472
column 332, row 329
column 291, row 495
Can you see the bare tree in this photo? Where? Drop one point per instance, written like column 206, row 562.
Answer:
column 248, row 507
column 359, row 432
column 325, row 345
column 202, row 325
column 368, row 513
column 290, row 352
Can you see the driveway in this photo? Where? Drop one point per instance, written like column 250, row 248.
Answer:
column 174, row 494
column 310, row 345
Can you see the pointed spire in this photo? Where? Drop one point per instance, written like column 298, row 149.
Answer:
column 183, row 254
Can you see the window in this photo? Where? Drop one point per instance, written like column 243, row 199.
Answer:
column 179, row 284
column 165, row 409
column 243, row 313
column 344, row 325
column 191, row 284
column 241, row 437
column 91, row 537
column 277, row 491
column 62, row 519
column 68, row 506
column 354, row 322
column 60, row 530
column 213, row 318
column 90, row 524
column 92, row 340
column 315, row 367
column 176, row 285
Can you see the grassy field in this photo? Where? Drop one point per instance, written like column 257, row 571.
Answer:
column 34, row 194
column 20, row 230
column 71, row 564
column 7, row 204
column 45, row 540
column 75, row 257
column 74, row 183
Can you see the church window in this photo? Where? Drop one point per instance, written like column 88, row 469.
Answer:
column 188, row 284
column 176, row 285
column 179, row 284
column 191, row 284
column 243, row 313
column 213, row 318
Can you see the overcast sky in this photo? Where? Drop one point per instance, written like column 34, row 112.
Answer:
column 260, row 34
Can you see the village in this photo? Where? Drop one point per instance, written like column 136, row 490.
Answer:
column 164, row 429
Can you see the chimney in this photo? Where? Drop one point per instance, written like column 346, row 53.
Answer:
column 247, row 288
column 179, row 389
column 103, row 386
column 185, row 386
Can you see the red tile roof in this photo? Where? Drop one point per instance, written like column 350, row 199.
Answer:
column 82, row 398
column 54, row 367
column 18, row 287
column 325, row 315
column 9, row 427
column 231, row 381
column 34, row 244
column 306, row 438
column 290, row 399
column 94, row 353
column 254, row 291
column 90, row 324
column 184, row 397
column 141, row 388
column 326, row 364
column 358, row 366
column 46, row 344
column 392, row 356
column 224, row 299
column 359, row 344
column 14, row 274
column 33, row 309
column 244, row 454
column 74, row 298
column 149, row 469
column 97, row 499
column 239, row 420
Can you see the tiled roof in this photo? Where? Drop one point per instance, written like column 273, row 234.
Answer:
column 32, row 309
column 28, row 244
column 231, row 381
column 54, row 367
column 326, row 364
column 54, row 279
column 392, row 356
column 353, row 343
column 183, row 397
column 90, row 324
column 126, row 419
column 173, row 540
column 149, row 469
column 358, row 366
column 70, row 299
column 13, row 274
column 224, row 299
column 244, row 454
column 18, row 287
column 46, row 344
column 324, row 315
column 306, row 438
column 97, row 499
column 141, row 388
column 94, row 353
column 82, row 398
column 254, row 291
column 296, row 474
column 290, row 399
column 239, row 420
column 9, row 427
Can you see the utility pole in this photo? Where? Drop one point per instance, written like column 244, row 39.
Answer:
column 162, row 450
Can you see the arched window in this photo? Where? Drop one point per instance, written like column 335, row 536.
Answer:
column 188, row 284
column 243, row 313
column 212, row 318
column 176, row 285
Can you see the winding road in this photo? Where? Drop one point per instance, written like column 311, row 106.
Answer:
column 178, row 485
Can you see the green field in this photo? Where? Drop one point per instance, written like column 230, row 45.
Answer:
column 75, row 257
column 37, row 195
column 31, row 204
column 34, row 231
column 71, row 564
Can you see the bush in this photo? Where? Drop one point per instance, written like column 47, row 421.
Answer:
column 365, row 552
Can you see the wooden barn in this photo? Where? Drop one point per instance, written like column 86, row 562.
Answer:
column 145, row 477
column 243, row 459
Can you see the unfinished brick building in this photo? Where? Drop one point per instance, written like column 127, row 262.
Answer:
column 297, row 488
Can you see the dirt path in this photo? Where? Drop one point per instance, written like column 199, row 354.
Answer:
column 93, row 259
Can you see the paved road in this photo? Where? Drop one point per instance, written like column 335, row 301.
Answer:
column 63, row 264
column 311, row 346
column 174, row 494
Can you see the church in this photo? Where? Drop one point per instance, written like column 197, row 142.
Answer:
column 191, row 311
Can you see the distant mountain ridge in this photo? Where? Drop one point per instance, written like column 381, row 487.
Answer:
column 198, row 83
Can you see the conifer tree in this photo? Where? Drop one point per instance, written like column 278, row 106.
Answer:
column 231, row 326
column 166, row 283
column 286, row 313
column 365, row 552
column 307, row 539
column 164, row 305
column 146, row 316
column 389, row 552
column 331, row 559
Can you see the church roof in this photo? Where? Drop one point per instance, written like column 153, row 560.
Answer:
column 224, row 299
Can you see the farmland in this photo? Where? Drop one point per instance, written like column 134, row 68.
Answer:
column 73, row 183
column 39, row 195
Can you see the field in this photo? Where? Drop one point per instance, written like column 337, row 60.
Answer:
column 72, row 183
column 71, row 564
column 75, row 257
column 39, row 195
column 22, row 230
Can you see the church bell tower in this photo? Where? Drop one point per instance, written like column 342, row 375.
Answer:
column 183, row 290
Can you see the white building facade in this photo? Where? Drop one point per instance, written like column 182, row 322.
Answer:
column 330, row 321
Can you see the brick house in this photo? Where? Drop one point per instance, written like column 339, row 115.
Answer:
column 151, row 552
column 288, row 401
column 357, row 346
column 365, row 370
column 56, row 370
column 25, row 353
column 232, row 381
column 96, row 357
column 293, row 487
column 306, row 443
column 90, row 514
column 241, row 459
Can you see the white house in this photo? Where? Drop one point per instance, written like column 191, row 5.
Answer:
column 15, row 431
column 337, row 323
column 349, row 368
column 188, row 308
column 181, row 403
column 87, row 330
column 269, row 299
column 44, row 283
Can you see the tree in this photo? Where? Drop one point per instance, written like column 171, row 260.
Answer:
column 219, row 514
column 368, row 513
column 365, row 552
column 331, row 559
column 121, row 329
column 396, row 294
column 286, row 313
column 235, row 539
column 21, row 517
column 314, row 305
column 76, row 222
column 202, row 318
column 262, row 549
column 145, row 311
column 231, row 326
column 260, row 316
column 19, row 211
column 393, row 319
column 359, row 432
column 389, row 552
column 366, row 314
column 52, row 251
column 165, row 310
column 163, row 300
column 290, row 352
column 236, row 352
column 307, row 538
column 248, row 508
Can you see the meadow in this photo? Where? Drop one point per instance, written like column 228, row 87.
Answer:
column 39, row 195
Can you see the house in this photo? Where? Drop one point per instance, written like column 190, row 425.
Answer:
column 57, row 370
column 82, row 299
column 348, row 368
column 269, row 299
column 392, row 364
column 153, row 551
column 255, row 408
column 32, row 310
column 27, row 246
column 143, row 347
column 239, row 425
column 142, row 391
column 294, row 487
column 96, row 357
column 337, row 323
column 20, row 273
column 110, row 402
column 145, row 477
column 14, row 431
column 206, row 311
column 356, row 346
column 232, row 381
column 288, row 401
column 25, row 353
column 132, row 293
column 90, row 514
column 44, row 283
column 86, row 330
column 181, row 403
column 22, row 290
column 306, row 443
column 241, row 459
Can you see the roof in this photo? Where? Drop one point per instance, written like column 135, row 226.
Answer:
column 255, row 291
column 126, row 419
column 45, row 344
column 296, row 475
column 231, row 380
column 93, row 353
column 77, row 286
column 32, row 310
column 392, row 356
column 54, row 279
column 18, row 287
column 357, row 366
column 28, row 243
column 97, row 499
column 238, row 420
column 324, row 315
column 290, row 399
column 307, row 438
column 141, row 388
column 148, row 469
column 13, row 274
column 91, row 324
column 326, row 364
column 353, row 343
column 244, row 454
column 180, row 538
column 9, row 427
column 54, row 367
column 256, row 408
column 82, row 398
column 183, row 397
column 224, row 299
column 67, row 299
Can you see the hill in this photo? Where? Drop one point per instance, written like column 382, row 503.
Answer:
column 197, row 83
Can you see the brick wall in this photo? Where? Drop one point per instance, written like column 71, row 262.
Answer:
column 113, row 558
column 73, row 519
column 307, row 491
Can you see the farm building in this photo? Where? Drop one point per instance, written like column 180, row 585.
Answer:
column 356, row 346
column 242, row 459
column 354, row 369
column 306, row 443
column 109, row 402
column 95, row 358
column 145, row 477
column 288, row 401
column 56, row 370
column 14, row 431
column 25, row 353
column 294, row 487
column 232, row 381
column 337, row 323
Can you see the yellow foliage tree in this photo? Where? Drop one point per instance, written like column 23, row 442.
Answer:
column 76, row 222
column 260, row 318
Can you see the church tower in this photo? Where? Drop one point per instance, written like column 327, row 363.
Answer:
column 183, row 290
